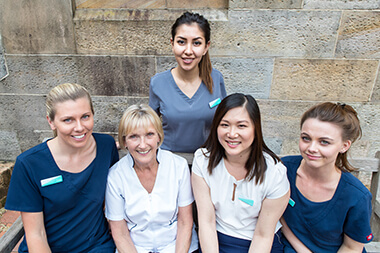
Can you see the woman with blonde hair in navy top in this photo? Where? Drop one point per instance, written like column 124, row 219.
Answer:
column 329, row 209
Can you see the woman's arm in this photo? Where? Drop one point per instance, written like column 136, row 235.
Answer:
column 184, row 229
column 206, row 215
column 292, row 239
column 121, row 236
column 270, row 213
column 349, row 245
column 35, row 232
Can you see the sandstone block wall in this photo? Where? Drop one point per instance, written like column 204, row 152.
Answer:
column 288, row 54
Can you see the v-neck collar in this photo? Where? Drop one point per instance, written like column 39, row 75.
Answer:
column 183, row 95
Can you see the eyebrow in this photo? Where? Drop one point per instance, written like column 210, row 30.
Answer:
column 322, row 138
column 197, row 38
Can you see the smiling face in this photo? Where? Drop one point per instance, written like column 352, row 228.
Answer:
column 73, row 122
column 189, row 45
column 236, row 133
column 142, row 143
column 321, row 142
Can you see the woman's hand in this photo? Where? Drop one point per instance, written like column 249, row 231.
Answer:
column 35, row 232
column 121, row 236
column 184, row 229
column 206, row 215
column 270, row 213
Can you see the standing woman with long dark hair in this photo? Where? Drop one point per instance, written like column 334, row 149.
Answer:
column 330, row 209
column 239, row 184
column 186, row 96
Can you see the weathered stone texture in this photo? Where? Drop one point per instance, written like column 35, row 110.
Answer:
column 218, row 4
column 101, row 75
column 123, row 37
column 264, row 33
column 9, row 146
column 37, row 26
column 341, row 4
column 323, row 80
column 359, row 36
column 376, row 90
column 3, row 64
column 246, row 75
column 265, row 4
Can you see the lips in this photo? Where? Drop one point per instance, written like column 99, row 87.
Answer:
column 312, row 157
column 187, row 60
column 79, row 136
column 143, row 152
column 233, row 143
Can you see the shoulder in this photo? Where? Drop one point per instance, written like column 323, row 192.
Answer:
column 355, row 186
column 216, row 72
column 166, row 155
column 34, row 152
column 201, row 154
column 122, row 166
column 159, row 77
column 103, row 137
column 274, row 166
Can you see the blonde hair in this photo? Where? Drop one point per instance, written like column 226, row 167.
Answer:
column 63, row 93
column 139, row 116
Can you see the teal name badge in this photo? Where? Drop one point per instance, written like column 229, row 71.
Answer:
column 247, row 201
column 214, row 103
column 51, row 180
column 291, row 202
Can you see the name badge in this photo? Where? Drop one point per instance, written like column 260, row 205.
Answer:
column 247, row 201
column 51, row 180
column 291, row 202
column 214, row 103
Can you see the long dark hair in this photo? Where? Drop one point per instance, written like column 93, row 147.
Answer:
column 204, row 65
column 255, row 165
column 343, row 116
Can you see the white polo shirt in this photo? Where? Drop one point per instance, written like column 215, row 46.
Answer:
column 151, row 217
column 238, row 217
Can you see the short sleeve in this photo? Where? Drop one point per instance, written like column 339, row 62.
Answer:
column 23, row 193
column 114, row 197
column 185, row 196
column 154, row 102
column 357, row 225
column 277, row 184
column 198, row 163
column 115, row 154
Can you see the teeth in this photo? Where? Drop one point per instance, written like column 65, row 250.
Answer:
column 143, row 152
column 79, row 136
column 233, row 143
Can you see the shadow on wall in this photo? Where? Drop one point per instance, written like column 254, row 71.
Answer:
column 3, row 63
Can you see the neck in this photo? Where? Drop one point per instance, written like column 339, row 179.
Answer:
column 322, row 174
column 186, row 76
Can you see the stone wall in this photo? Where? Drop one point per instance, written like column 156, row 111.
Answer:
column 288, row 54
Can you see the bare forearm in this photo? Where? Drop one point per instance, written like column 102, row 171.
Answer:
column 124, row 245
column 183, row 240
column 261, row 244
column 292, row 239
column 208, row 239
column 38, row 244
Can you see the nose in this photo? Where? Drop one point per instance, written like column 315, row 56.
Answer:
column 78, row 126
column 189, row 48
column 142, row 143
column 232, row 133
column 313, row 147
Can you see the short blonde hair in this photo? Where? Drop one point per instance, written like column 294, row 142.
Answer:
column 139, row 116
column 63, row 93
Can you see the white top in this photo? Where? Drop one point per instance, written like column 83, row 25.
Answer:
column 151, row 217
column 238, row 218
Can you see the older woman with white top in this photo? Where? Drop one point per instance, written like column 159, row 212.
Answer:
column 149, row 197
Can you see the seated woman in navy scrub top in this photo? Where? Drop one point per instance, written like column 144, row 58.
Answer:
column 329, row 209
column 240, row 185
column 186, row 96
column 59, row 185
column 148, row 196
